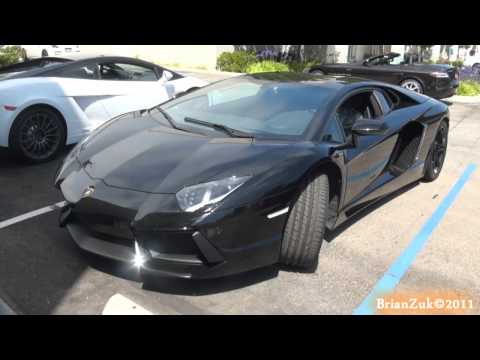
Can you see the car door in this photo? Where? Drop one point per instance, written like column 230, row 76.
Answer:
column 131, row 87
column 380, row 70
column 368, row 158
column 81, row 83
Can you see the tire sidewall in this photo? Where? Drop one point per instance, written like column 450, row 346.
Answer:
column 430, row 174
column 315, row 244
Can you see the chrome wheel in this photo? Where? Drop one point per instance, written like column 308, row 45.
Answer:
column 412, row 85
column 40, row 136
column 317, row 72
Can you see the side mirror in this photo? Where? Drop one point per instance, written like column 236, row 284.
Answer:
column 369, row 127
column 167, row 75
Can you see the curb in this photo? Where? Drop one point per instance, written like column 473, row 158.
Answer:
column 464, row 99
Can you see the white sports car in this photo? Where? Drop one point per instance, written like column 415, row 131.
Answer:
column 48, row 103
column 36, row 51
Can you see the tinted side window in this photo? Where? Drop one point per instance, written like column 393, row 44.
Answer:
column 333, row 132
column 88, row 72
column 126, row 72
column 357, row 107
column 397, row 99
column 385, row 103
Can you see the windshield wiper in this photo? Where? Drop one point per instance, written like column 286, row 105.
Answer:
column 169, row 118
column 225, row 129
column 166, row 116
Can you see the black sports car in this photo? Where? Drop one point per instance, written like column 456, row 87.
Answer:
column 435, row 80
column 246, row 172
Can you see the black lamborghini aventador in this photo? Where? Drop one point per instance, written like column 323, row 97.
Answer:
column 246, row 172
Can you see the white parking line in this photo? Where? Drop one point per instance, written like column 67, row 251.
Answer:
column 120, row 305
column 32, row 214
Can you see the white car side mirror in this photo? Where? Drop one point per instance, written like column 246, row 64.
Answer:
column 167, row 76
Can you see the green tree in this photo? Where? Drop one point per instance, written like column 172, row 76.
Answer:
column 9, row 55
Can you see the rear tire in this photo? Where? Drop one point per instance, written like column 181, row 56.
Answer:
column 38, row 134
column 412, row 85
column 437, row 153
column 303, row 235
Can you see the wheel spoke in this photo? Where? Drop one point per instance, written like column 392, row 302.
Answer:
column 40, row 135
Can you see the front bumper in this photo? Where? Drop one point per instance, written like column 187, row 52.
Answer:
column 172, row 243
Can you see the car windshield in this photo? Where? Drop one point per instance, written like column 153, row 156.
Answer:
column 389, row 59
column 257, row 107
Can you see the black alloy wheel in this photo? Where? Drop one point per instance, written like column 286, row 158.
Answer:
column 437, row 154
column 38, row 135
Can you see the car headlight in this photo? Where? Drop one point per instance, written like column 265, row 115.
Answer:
column 195, row 197
column 439, row 74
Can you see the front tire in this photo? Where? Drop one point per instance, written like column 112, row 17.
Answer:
column 413, row 85
column 437, row 153
column 38, row 134
column 303, row 235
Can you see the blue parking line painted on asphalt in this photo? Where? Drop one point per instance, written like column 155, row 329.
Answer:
column 396, row 271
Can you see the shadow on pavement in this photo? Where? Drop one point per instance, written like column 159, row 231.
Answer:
column 26, row 187
column 39, row 264
column 210, row 286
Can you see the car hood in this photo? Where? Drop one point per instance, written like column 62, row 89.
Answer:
column 139, row 153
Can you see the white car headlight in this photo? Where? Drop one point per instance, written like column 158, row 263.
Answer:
column 195, row 197
column 439, row 74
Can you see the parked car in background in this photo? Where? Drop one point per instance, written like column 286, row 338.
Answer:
column 36, row 51
column 435, row 80
column 473, row 59
column 246, row 172
column 51, row 102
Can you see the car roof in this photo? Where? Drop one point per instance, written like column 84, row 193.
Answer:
column 341, row 84
column 60, row 63
column 307, row 79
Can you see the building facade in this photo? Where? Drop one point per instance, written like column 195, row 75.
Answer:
column 205, row 56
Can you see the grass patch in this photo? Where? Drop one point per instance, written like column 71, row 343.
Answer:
column 468, row 88
column 266, row 66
